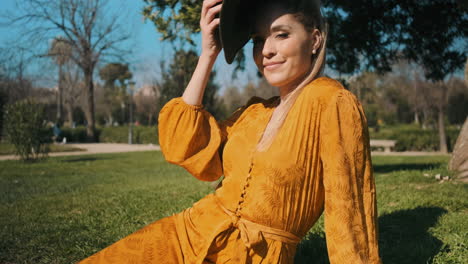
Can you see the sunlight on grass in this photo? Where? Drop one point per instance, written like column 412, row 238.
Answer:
column 64, row 209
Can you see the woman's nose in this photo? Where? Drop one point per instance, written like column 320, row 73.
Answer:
column 268, row 50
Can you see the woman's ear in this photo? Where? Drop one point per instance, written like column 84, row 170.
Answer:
column 316, row 41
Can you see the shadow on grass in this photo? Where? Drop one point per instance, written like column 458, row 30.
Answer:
column 411, row 166
column 404, row 238
column 83, row 159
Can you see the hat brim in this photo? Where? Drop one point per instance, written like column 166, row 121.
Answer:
column 234, row 28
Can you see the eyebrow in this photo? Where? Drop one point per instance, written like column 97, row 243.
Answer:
column 280, row 27
column 273, row 29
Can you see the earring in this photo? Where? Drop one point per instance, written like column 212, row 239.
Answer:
column 313, row 51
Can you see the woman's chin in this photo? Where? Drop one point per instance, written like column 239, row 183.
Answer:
column 273, row 80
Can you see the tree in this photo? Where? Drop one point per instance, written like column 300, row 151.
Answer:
column 85, row 25
column 115, row 76
column 232, row 99
column 60, row 50
column 459, row 160
column 146, row 104
column 364, row 35
column 72, row 87
column 265, row 90
column 391, row 30
column 179, row 20
column 13, row 78
column 177, row 77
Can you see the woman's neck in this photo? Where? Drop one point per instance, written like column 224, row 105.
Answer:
column 288, row 90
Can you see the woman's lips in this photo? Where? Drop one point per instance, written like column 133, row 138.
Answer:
column 272, row 65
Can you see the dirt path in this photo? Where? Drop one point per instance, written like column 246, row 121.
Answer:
column 98, row 148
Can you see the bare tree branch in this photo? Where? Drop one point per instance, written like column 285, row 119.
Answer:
column 87, row 26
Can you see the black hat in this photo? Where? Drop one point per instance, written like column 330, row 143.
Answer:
column 234, row 26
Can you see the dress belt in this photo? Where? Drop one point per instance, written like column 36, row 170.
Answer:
column 251, row 233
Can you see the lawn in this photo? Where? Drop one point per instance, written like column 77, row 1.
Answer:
column 9, row 149
column 64, row 209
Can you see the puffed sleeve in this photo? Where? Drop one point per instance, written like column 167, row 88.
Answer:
column 191, row 137
column 350, row 197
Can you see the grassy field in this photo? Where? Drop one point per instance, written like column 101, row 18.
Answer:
column 64, row 209
column 9, row 149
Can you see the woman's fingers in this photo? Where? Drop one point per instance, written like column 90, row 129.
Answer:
column 213, row 24
column 207, row 5
column 208, row 24
column 212, row 12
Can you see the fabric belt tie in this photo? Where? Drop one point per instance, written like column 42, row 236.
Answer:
column 251, row 233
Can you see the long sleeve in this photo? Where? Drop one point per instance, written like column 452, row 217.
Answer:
column 191, row 137
column 350, row 197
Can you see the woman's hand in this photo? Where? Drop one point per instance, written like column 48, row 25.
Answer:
column 211, row 46
column 209, row 23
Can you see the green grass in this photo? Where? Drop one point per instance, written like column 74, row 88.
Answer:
column 421, row 220
column 64, row 209
column 9, row 149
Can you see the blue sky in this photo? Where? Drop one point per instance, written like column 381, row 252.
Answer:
column 147, row 47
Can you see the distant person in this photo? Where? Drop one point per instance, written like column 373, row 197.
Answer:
column 57, row 132
column 285, row 159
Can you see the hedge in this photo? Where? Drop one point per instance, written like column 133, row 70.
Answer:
column 141, row 134
column 412, row 138
column 408, row 138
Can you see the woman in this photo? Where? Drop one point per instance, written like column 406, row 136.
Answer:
column 285, row 159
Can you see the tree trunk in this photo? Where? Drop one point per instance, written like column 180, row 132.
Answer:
column 89, row 111
column 150, row 118
column 459, row 160
column 110, row 120
column 59, row 96
column 416, row 118
column 70, row 114
column 442, row 135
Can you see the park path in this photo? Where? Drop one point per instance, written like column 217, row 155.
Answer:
column 96, row 148
column 100, row 148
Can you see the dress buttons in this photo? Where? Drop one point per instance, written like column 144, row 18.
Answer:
column 244, row 191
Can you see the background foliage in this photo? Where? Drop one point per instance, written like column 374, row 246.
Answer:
column 26, row 129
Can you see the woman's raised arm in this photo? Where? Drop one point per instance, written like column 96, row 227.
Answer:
column 209, row 23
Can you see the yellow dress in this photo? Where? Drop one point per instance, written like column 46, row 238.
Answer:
column 319, row 161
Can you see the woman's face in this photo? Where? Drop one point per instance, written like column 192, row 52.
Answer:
column 283, row 48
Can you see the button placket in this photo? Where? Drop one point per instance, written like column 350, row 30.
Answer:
column 244, row 191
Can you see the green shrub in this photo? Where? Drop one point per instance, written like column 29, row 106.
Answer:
column 146, row 135
column 77, row 135
column 413, row 138
column 141, row 134
column 26, row 129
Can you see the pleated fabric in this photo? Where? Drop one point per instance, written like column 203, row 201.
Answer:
column 319, row 161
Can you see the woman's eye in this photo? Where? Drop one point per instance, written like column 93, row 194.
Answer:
column 282, row 35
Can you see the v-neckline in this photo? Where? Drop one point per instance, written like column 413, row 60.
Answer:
column 271, row 108
column 273, row 105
